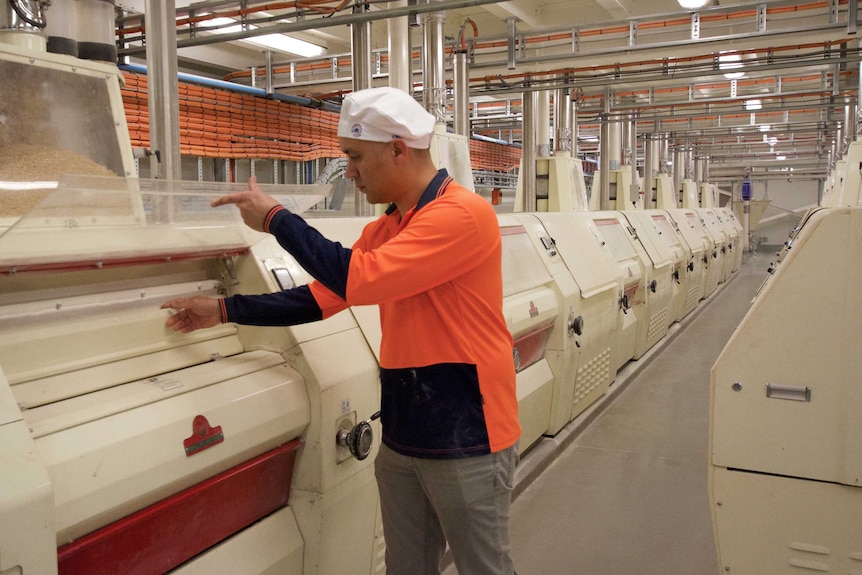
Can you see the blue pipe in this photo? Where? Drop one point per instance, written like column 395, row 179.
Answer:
column 493, row 140
column 221, row 84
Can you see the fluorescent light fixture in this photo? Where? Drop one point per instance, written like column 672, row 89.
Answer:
column 280, row 42
column 779, row 158
column 692, row 4
column 753, row 104
column 730, row 61
column 764, row 127
column 287, row 43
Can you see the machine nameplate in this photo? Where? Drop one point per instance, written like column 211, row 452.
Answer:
column 164, row 383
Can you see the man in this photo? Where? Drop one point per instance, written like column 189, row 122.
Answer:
column 433, row 265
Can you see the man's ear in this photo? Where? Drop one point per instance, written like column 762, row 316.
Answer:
column 399, row 148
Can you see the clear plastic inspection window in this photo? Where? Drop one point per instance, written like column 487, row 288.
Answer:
column 110, row 220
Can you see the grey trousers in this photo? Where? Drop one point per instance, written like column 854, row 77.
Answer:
column 427, row 502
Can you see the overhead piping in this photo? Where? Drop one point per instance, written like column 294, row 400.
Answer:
column 317, row 23
column 234, row 87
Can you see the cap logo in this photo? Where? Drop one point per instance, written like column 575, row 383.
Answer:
column 356, row 130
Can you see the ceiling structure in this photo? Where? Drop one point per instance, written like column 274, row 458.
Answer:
column 761, row 89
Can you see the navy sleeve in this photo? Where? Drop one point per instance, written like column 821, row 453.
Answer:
column 325, row 260
column 288, row 307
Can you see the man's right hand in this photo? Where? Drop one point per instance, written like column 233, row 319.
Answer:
column 253, row 204
column 194, row 313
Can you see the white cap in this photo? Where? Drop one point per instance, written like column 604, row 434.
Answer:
column 384, row 114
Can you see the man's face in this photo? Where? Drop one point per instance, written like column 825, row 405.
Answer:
column 372, row 167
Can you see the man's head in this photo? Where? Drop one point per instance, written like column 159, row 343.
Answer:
column 386, row 135
column 385, row 114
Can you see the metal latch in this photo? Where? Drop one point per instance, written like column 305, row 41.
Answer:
column 791, row 392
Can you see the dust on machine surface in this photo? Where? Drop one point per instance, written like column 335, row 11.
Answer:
column 129, row 448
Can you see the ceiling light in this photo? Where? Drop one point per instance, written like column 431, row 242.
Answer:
column 287, row 43
column 779, row 158
column 280, row 42
column 764, row 127
column 753, row 104
column 730, row 61
column 692, row 4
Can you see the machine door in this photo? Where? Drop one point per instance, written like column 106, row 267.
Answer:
column 786, row 394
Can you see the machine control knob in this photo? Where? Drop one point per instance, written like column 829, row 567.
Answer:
column 359, row 439
column 675, row 275
column 576, row 325
column 652, row 286
column 691, row 266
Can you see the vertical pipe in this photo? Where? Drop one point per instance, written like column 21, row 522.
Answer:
column 563, row 120
column 604, row 155
column 360, row 42
column 688, row 155
column 838, row 144
column 528, row 169
column 400, row 52
column 614, row 139
column 434, row 88
column 461, row 82
column 511, row 48
column 625, row 141
column 663, row 154
column 678, row 167
column 649, row 160
column 634, row 191
column 858, row 100
column 268, row 55
column 849, row 123
column 543, row 124
column 574, row 108
column 163, row 88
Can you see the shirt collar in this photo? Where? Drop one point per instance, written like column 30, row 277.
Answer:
column 434, row 190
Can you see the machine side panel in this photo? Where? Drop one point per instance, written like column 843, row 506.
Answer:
column 785, row 382
column 767, row 524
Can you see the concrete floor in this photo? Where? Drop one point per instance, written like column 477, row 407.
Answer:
column 623, row 489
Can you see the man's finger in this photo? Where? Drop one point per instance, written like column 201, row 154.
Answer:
column 178, row 303
column 233, row 198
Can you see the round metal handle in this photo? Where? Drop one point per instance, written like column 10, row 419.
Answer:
column 358, row 440
column 576, row 325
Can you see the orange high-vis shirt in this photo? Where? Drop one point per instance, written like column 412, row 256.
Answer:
column 446, row 355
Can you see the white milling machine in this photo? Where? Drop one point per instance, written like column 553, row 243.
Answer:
column 786, row 456
column 125, row 447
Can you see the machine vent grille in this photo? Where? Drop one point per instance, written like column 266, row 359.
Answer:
column 593, row 374
column 692, row 297
column 657, row 326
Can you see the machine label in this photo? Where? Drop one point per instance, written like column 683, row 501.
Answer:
column 163, row 383
column 203, row 436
